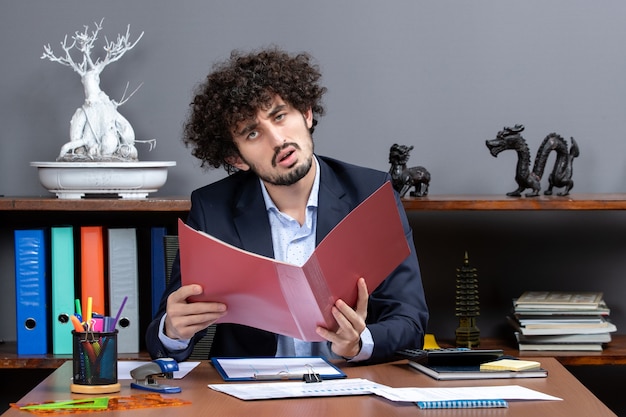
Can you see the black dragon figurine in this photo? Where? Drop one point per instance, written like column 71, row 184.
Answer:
column 561, row 176
column 403, row 178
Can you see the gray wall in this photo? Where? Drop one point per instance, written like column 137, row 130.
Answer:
column 440, row 75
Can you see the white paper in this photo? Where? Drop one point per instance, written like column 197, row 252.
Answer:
column 124, row 368
column 358, row 386
column 504, row 392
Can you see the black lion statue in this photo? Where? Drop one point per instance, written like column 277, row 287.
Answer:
column 403, row 178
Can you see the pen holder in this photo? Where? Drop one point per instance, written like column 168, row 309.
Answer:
column 94, row 357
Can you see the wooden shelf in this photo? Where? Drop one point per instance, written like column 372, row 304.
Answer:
column 10, row 360
column 614, row 353
column 165, row 204
column 432, row 202
column 502, row 202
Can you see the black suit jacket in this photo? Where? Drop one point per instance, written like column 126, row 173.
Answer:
column 234, row 211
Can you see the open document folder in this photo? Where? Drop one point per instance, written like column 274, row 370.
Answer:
column 281, row 368
column 292, row 300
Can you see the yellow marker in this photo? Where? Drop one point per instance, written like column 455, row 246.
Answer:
column 87, row 317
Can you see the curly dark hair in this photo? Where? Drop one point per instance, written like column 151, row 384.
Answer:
column 241, row 86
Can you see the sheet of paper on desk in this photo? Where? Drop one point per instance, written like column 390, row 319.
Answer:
column 272, row 390
column 124, row 368
column 504, row 392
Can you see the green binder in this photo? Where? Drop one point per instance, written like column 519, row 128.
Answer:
column 62, row 264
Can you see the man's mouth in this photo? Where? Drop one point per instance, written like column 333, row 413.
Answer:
column 283, row 156
column 287, row 155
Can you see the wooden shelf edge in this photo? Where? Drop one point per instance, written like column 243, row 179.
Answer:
column 11, row 360
column 429, row 203
column 156, row 204
column 613, row 354
column 502, row 202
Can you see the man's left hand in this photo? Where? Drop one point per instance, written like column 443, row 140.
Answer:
column 346, row 340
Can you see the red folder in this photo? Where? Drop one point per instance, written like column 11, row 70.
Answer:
column 288, row 299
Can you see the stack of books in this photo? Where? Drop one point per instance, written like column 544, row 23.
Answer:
column 553, row 320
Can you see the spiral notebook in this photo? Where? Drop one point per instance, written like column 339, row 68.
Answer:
column 463, row 404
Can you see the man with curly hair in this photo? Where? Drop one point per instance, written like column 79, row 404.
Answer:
column 254, row 116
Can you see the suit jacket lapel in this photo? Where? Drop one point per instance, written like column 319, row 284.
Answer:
column 251, row 219
column 333, row 202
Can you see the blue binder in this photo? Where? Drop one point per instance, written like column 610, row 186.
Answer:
column 62, row 286
column 157, row 235
column 30, row 292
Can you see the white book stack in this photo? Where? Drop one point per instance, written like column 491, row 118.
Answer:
column 561, row 321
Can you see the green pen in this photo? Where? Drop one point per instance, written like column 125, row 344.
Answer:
column 79, row 311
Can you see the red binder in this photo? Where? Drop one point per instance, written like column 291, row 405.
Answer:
column 92, row 267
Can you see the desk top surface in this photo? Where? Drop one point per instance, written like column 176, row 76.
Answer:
column 560, row 383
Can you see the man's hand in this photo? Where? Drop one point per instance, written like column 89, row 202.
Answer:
column 185, row 319
column 346, row 341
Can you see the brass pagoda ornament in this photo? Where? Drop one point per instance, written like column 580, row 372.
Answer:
column 467, row 305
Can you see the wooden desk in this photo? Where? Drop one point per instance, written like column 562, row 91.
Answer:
column 578, row 401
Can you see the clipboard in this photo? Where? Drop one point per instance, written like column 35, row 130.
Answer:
column 308, row 369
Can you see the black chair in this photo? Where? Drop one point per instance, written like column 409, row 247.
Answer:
column 203, row 346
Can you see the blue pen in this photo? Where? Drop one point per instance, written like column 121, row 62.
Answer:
column 108, row 324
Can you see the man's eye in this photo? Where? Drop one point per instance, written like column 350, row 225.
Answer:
column 280, row 117
column 253, row 135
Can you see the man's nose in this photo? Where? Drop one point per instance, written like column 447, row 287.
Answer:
column 276, row 136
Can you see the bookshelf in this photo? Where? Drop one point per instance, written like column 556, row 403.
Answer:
column 554, row 215
column 35, row 212
column 44, row 211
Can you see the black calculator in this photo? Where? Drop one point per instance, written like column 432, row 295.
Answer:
column 450, row 356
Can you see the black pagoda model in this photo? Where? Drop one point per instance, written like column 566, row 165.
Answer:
column 467, row 305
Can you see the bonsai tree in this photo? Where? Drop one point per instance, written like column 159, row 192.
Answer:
column 98, row 132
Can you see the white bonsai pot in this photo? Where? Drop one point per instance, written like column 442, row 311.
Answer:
column 130, row 180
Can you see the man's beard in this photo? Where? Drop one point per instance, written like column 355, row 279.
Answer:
column 289, row 178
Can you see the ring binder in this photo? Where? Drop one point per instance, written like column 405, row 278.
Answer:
column 306, row 369
column 309, row 376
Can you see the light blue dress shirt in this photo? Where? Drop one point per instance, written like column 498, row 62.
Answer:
column 294, row 243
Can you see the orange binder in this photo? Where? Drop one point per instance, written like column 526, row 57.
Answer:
column 92, row 267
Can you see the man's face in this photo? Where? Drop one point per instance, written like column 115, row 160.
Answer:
column 277, row 144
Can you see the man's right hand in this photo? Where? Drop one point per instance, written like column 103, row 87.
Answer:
column 185, row 319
